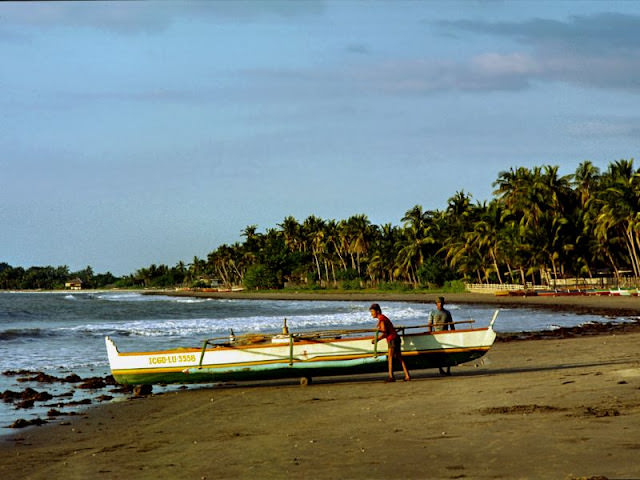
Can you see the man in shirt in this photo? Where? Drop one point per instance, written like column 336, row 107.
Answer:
column 439, row 320
column 393, row 342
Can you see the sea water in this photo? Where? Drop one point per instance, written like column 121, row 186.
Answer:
column 61, row 333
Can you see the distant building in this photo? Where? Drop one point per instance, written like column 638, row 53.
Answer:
column 75, row 284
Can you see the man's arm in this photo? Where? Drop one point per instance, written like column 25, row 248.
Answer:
column 381, row 329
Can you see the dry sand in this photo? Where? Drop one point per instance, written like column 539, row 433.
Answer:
column 545, row 409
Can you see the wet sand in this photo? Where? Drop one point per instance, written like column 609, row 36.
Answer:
column 553, row 408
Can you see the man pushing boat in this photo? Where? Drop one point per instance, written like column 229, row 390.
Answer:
column 393, row 341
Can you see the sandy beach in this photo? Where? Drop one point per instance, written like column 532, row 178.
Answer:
column 553, row 408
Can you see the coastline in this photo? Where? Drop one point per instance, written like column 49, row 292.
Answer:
column 611, row 305
column 607, row 305
column 559, row 400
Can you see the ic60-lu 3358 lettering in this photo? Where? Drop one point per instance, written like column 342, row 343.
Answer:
column 170, row 359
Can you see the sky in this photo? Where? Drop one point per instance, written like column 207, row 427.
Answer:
column 139, row 133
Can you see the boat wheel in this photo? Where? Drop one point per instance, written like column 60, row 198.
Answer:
column 304, row 381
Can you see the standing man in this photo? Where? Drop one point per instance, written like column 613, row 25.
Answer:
column 393, row 341
column 440, row 319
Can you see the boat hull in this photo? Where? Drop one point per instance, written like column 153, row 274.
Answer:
column 295, row 357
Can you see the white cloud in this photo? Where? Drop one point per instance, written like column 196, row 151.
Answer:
column 494, row 64
column 599, row 51
column 604, row 128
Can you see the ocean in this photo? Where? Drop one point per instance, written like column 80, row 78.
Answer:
column 62, row 333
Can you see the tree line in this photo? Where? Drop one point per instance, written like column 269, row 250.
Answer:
column 539, row 226
column 51, row 278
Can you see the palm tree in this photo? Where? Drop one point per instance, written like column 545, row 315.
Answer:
column 359, row 233
column 416, row 237
column 332, row 239
column 196, row 268
column 313, row 231
column 619, row 205
column 537, row 200
column 585, row 181
column 586, row 249
column 292, row 232
column 486, row 237
column 383, row 253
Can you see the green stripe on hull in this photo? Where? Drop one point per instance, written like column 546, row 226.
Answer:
column 430, row 359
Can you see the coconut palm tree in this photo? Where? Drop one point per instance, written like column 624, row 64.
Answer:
column 292, row 232
column 383, row 253
column 619, row 205
column 358, row 231
column 416, row 236
column 313, row 229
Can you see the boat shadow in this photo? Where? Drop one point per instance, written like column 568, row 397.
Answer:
column 460, row 371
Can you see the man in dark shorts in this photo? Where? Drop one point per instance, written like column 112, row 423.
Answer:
column 440, row 319
column 393, row 341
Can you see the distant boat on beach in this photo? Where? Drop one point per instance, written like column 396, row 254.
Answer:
column 557, row 292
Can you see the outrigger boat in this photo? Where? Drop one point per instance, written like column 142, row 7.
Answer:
column 298, row 355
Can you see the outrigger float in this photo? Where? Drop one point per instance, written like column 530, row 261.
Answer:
column 298, row 355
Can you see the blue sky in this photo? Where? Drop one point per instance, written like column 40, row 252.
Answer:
column 134, row 133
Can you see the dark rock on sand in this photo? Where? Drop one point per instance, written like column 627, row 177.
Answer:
column 142, row 390
column 93, row 383
column 21, row 423
column 28, row 394
column 39, row 377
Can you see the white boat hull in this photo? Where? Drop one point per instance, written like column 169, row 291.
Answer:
column 295, row 356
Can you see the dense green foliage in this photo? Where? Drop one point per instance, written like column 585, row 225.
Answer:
column 539, row 227
column 51, row 278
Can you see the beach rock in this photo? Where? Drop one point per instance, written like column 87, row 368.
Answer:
column 9, row 396
column 28, row 394
column 73, row 378
column 40, row 377
column 25, row 404
column 122, row 389
column 55, row 413
column 33, row 377
column 93, row 383
column 21, row 423
column 142, row 390
column 14, row 373
column 42, row 396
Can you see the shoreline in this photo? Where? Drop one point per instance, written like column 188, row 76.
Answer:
column 611, row 305
column 608, row 305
